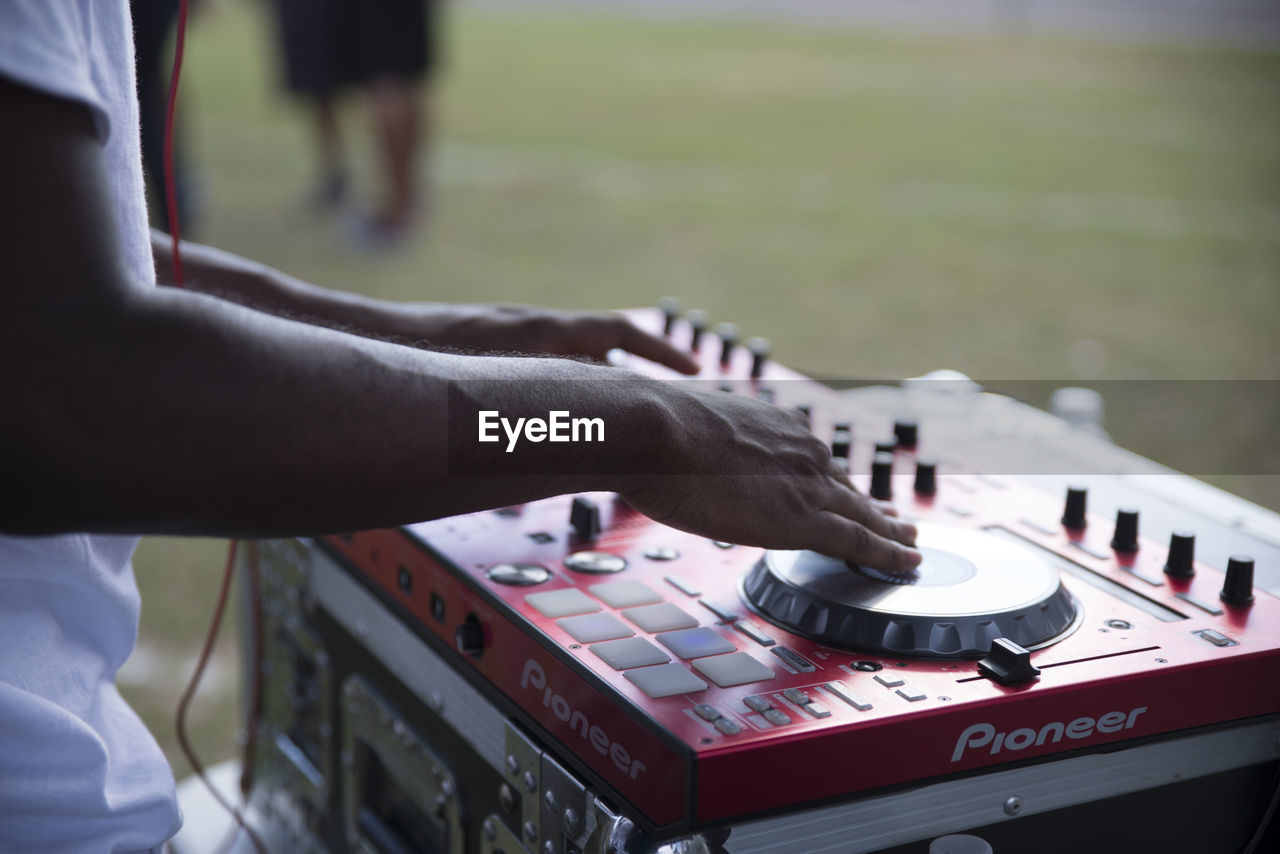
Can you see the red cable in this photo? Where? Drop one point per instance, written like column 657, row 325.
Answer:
column 171, row 189
column 211, row 638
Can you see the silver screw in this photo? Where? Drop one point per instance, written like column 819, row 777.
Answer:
column 506, row 797
column 550, row 800
column 530, row 831
column 436, row 701
column 549, row 848
column 1013, row 805
column 530, row 782
column 513, row 764
column 490, row 831
column 571, row 822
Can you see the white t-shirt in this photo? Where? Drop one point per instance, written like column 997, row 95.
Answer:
column 78, row 769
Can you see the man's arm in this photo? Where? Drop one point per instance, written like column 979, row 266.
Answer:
column 139, row 409
column 504, row 328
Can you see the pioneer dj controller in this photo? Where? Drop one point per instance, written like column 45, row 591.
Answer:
column 569, row 676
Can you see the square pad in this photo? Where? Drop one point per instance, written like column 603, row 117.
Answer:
column 660, row 618
column 589, row 628
column 735, row 669
column 562, row 603
column 695, row 643
column 628, row 653
column 665, row 680
column 624, row 594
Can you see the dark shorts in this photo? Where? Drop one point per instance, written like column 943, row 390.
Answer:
column 329, row 44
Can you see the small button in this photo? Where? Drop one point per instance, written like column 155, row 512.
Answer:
column 842, row 691
column 661, row 553
column 797, row 661
column 888, row 680
column 797, row 696
column 721, row 544
column 685, row 586
column 1215, row 638
column 665, row 680
column 777, row 717
column 727, row 726
column 628, row 653
column 562, row 603
column 624, row 594
column 816, row 709
column 541, row 537
column 719, row 610
column 757, row 703
column 659, row 618
column 595, row 563
column 706, row 712
column 736, row 668
column 754, row 632
column 695, row 643
column 589, row 628
column 911, row 694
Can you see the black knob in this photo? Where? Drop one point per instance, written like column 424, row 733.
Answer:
column 841, row 442
column 469, row 636
column 1125, row 538
column 1074, row 514
column 759, row 348
column 881, row 480
column 698, row 324
column 728, row 333
column 926, row 478
column 1182, row 555
column 670, row 307
column 1238, row 588
column 907, row 433
column 584, row 517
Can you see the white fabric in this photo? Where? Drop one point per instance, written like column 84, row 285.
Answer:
column 78, row 769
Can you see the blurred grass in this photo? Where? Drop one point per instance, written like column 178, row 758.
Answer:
column 1012, row 207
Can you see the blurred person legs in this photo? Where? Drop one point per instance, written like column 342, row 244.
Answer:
column 395, row 54
column 315, row 60
column 153, row 25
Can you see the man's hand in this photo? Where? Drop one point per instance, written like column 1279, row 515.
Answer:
column 529, row 329
column 742, row 471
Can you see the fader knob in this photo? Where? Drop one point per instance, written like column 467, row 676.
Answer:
column 841, row 441
column 1238, row 587
column 670, row 307
column 584, row 517
column 907, row 433
column 759, row 348
column 887, row 446
column 728, row 333
column 1073, row 516
column 698, row 324
column 1182, row 555
column 926, row 478
column 1125, row 538
column 881, row 476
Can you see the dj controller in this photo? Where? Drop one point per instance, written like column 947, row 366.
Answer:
column 1088, row 658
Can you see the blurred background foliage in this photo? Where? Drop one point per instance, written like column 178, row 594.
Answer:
column 1011, row 204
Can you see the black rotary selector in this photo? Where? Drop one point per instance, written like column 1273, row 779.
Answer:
column 907, row 433
column 841, row 441
column 728, row 333
column 926, row 483
column 1238, row 587
column 1073, row 516
column 760, row 349
column 887, row 446
column 1182, row 555
column 1126, row 533
column 882, row 476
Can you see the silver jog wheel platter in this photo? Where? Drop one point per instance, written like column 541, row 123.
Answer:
column 971, row 588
